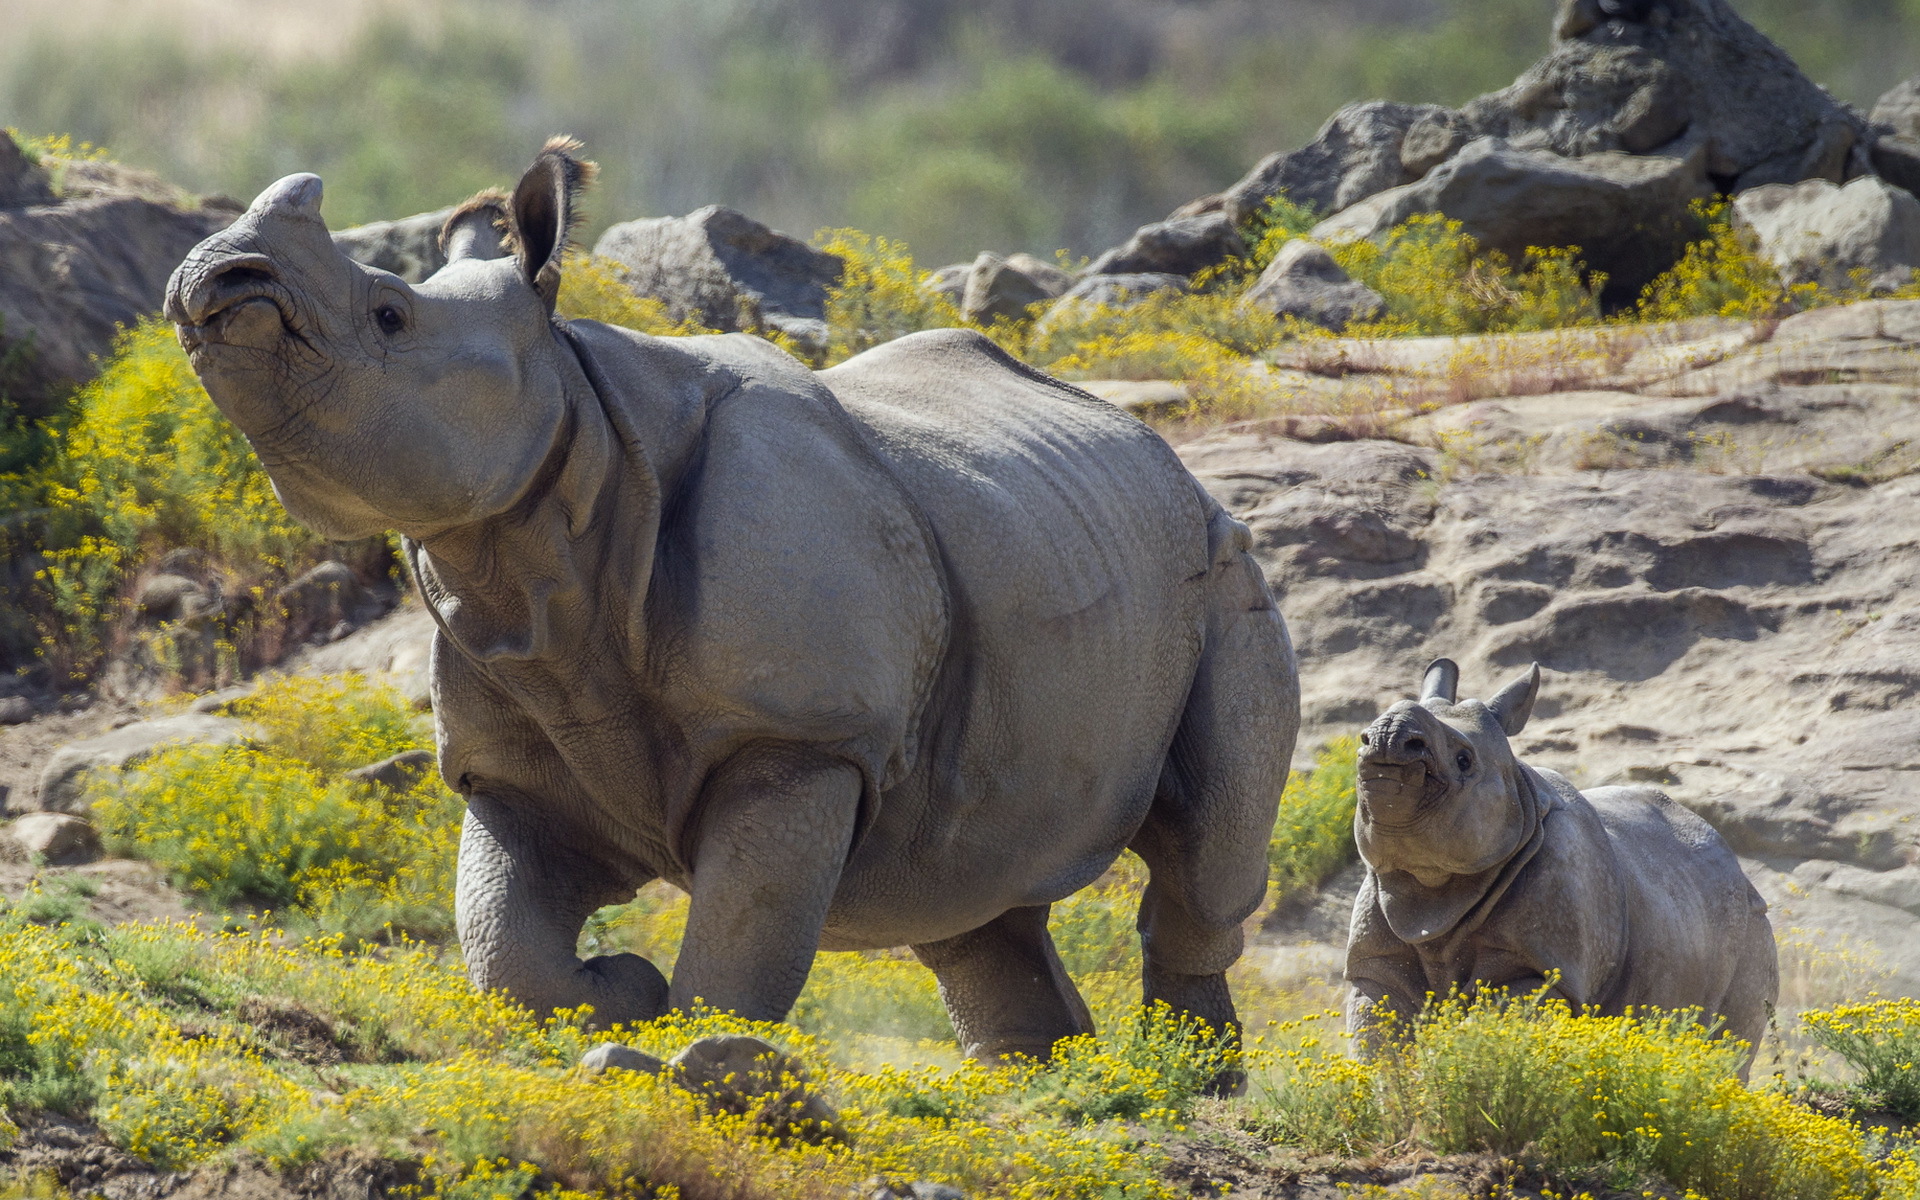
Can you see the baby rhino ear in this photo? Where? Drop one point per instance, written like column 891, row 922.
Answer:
column 1514, row 703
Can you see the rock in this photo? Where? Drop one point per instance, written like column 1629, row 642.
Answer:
column 1181, row 246
column 1896, row 157
column 73, row 274
column 1816, row 232
column 63, row 781
column 741, row 1074
column 58, row 839
column 1356, row 154
column 409, row 247
column 397, row 649
column 949, row 282
column 1304, row 282
column 921, row 1189
column 399, row 773
column 168, row 597
column 1627, row 76
column 727, row 271
column 214, row 701
column 322, row 599
column 23, row 182
column 1627, row 213
column 612, row 1056
column 15, row 710
column 997, row 290
column 1899, row 109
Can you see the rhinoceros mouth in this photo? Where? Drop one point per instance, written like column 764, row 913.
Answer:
column 240, row 303
column 1398, row 795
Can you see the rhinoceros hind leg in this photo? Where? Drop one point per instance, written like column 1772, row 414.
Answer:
column 520, row 900
column 1205, row 837
column 1005, row 988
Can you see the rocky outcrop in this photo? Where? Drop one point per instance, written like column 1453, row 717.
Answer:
column 75, row 270
column 726, row 270
column 409, row 247
column 1626, row 212
column 1898, row 111
column 1356, row 154
column 1867, row 232
column 1710, row 546
column 64, row 779
column 1103, row 294
column 1303, row 282
column 1005, row 289
column 1178, row 246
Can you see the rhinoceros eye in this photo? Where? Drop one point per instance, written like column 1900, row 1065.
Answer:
column 1464, row 761
column 390, row 319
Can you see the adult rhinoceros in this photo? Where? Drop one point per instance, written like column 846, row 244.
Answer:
column 1486, row 873
column 897, row 653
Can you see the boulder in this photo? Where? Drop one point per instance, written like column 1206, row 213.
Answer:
column 409, row 247
column 1006, row 288
column 15, row 710
column 1899, row 110
column 1632, row 76
column 612, row 1056
column 726, row 270
column 63, row 781
column 1356, row 154
column 397, row 649
column 58, row 839
column 323, row 599
column 169, row 597
column 398, row 773
column 1628, row 213
column 1305, row 283
column 949, row 282
column 1816, row 232
column 740, row 1074
column 1896, row 157
column 73, row 274
column 1180, row 246
column 23, row 182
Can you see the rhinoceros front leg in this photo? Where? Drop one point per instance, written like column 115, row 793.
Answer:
column 1005, row 988
column 774, row 825
column 521, row 898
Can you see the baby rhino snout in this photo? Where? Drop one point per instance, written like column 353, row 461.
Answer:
column 1394, row 739
column 1396, row 784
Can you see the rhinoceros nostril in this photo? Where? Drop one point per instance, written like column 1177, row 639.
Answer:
column 1416, row 743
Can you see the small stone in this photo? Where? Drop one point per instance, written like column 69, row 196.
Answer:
column 15, row 710
column 612, row 1056
column 398, row 773
column 59, row 839
column 741, row 1074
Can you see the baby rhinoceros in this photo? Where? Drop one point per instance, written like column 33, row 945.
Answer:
column 1486, row 873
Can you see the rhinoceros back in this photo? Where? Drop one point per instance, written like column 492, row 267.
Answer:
column 1074, row 546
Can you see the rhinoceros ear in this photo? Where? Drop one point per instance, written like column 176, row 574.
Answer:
column 1514, row 703
column 1442, row 681
column 544, row 211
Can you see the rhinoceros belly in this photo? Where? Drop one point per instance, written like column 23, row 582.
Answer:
column 1073, row 546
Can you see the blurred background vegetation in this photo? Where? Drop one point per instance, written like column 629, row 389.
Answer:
column 957, row 125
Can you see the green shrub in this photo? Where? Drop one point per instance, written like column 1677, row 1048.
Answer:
column 281, row 825
column 1881, row 1039
column 880, row 295
column 1721, row 275
column 1436, row 279
column 1150, row 1069
column 1634, row 1099
column 1313, row 835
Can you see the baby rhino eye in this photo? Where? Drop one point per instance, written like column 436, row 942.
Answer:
column 1464, row 761
column 390, row 319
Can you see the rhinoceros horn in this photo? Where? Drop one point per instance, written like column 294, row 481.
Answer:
column 1442, row 681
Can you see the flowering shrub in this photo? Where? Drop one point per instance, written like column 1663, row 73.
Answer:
column 1313, row 835
column 1640, row 1097
column 880, row 296
column 1881, row 1039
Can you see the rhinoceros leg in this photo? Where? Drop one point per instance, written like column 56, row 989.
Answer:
column 775, row 824
column 1205, row 837
column 1005, row 988
column 520, row 900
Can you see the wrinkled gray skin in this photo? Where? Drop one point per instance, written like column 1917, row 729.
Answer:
column 1483, row 872
column 898, row 653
